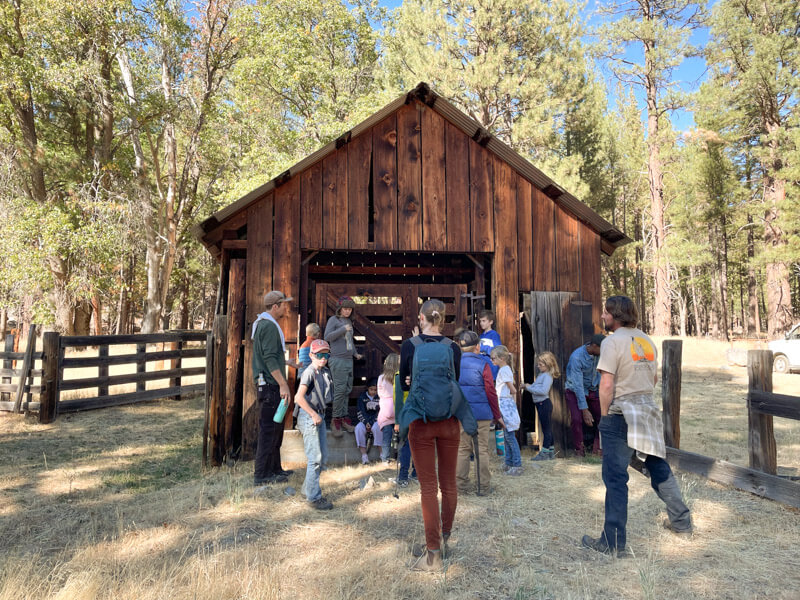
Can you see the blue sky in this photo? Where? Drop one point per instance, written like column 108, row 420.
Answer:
column 688, row 76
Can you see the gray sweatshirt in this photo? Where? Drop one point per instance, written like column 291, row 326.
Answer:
column 339, row 338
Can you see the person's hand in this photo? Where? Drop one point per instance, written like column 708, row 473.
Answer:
column 348, row 327
column 415, row 331
column 408, row 379
column 396, row 428
column 284, row 389
column 588, row 420
column 369, row 427
column 501, row 423
column 316, row 418
column 358, row 356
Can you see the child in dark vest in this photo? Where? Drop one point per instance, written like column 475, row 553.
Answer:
column 477, row 383
column 367, row 430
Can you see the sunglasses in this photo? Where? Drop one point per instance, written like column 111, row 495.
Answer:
column 322, row 355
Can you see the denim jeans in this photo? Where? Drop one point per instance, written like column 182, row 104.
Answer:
column 513, row 458
column 616, row 458
column 386, row 436
column 315, row 445
column 545, row 410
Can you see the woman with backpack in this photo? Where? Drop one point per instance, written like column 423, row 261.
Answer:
column 429, row 368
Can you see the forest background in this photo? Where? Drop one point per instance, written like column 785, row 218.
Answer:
column 123, row 123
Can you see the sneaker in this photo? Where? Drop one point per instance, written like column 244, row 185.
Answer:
column 347, row 424
column 274, row 478
column 514, row 472
column 403, row 483
column 600, row 545
column 545, row 454
column 686, row 532
column 506, row 468
column 431, row 560
column 287, row 472
column 321, row 504
column 364, row 459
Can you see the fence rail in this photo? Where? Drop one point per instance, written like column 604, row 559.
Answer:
column 54, row 363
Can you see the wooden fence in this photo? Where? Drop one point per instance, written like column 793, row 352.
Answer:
column 54, row 363
column 762, row 405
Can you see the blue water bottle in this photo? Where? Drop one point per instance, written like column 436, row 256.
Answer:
column 500, row 442
column 280, row 412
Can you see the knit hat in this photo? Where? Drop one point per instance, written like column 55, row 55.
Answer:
column 596, row 340
column 467, row 339
column 318, row 346
column 346, row 302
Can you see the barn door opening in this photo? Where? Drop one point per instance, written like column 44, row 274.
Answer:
column 559, row 323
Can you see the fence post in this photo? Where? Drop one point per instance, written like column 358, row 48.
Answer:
column 216, row 418
column 48, row 399
column 102, row 370
column 208, row 390
column 176, row 363
column 8, row 364
column 141, row 365
column 27, row 362
column 671, row 353
column 760, row 435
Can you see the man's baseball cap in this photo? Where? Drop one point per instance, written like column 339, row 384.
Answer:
column 275, row 297
column 596, row 340
column 318, row 346
column 467, row 339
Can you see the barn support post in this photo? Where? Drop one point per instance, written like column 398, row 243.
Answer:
column 48, row 399
column 760, row 434
column 216, row 410
column 234, row 367
column 671, row 353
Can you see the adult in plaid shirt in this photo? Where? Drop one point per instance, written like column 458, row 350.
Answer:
column 631, row 423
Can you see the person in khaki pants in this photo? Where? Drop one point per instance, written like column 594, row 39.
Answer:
column 477, row 384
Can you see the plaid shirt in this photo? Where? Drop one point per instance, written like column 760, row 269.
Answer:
column 645, row 427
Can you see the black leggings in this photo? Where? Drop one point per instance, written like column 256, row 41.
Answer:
column 545, row 410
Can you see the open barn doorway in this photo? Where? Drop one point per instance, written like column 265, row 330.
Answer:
column 388, row 289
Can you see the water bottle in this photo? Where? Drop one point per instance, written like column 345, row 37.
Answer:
column 280, row 412
column 500, row 442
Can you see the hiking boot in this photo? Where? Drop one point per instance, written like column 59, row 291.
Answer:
column 686, row 532
column 600, row 545
column 545, row 454
column 347, row 425
column 321, row 504
column 287, row 472
column 431, row 560
column 336, row 427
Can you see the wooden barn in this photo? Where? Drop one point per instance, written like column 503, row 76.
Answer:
column 416, row 202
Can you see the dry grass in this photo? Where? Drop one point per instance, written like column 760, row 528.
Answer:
column 112, row 504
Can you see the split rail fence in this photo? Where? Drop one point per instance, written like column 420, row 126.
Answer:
column 762, row 406
column 19, row 383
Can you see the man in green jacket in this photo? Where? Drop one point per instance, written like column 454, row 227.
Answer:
column 269, row 366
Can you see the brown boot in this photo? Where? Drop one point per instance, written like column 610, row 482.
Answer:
column 336, row 427
column 347, row 425
column 430, row 561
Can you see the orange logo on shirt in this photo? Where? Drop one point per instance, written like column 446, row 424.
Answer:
column 641, row 349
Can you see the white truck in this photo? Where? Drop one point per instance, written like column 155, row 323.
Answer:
column 786, row 352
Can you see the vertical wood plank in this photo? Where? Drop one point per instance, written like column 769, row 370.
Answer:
column 48, row 400
column 480, row 198
column 671, row 353
column 209, row 388
column 525, row 233
column 359, row 157
column 216, row 426
column 176, row 363
column 410, row 309
column 409, row 178
column 334, row 200
column 141, row 365
column 311, row 207
column 27, row 363
column 504, row 274
column 591, row 286
column 234, row 371
column 457, row 180
column 544, row 279
column 286, row 267
column 102, row 370
column 7, row 364
column 434, row 188
column 259, row 282
column 760, row 433
column 384, row 183
column 567, row 252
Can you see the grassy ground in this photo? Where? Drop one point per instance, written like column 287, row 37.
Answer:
column 113, row 504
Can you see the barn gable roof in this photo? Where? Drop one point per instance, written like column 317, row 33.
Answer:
column 611, row 237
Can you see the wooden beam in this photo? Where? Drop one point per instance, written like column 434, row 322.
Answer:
column 760, row 434
column 362, row 270
column 26, row 367
column 777, row 405
column 750, row 480
column 671, row 352
column 365, row 328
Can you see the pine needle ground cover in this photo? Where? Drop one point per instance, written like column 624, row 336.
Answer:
column 113, row 504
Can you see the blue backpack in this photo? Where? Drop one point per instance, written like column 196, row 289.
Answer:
column 433, row 375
